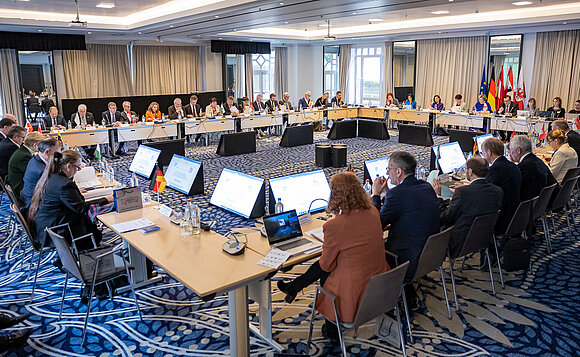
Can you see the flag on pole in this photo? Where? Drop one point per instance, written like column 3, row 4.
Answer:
column 491, row 95
column 577, row 122
column 542, row 133
column 159, row 182
column 29, row 127
column 483, row 85
column 500, row 89
column 475, row 147
column 39, row 129
column 520, row 93
column 98, row 152
column 510, row 81
column 513, row 134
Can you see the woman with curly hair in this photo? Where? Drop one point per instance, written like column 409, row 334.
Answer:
column 353, row 251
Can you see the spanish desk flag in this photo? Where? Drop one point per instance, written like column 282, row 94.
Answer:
column 491, row 94
column 159, row 182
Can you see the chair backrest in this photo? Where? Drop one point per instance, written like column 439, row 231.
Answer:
column 571, row 173
column 564, row 194
column 542, row 202
column 381, row 295
column 521, row 218
column 24, row 224
column 433, row 254
column 479, row 235
column 2, row 184
column 13, row 200
column 69, row 259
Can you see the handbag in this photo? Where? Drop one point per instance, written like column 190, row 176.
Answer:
column 516, row 254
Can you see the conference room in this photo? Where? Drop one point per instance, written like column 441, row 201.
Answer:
column 289, row 178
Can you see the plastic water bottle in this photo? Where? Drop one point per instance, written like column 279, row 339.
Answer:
column 143, row 119
column 162, row 117
column 368, row 187
column 103, row 166
column 421, row 174
column 185, row 224
column 65, row 145
column 134, row 181
column 279, row 207
column 195, row 220
column 110, row 173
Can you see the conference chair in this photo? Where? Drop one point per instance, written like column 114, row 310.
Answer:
column 539, row 211
column 27, row 235
column 91, row 267
column 13, row 200
column 381, row 296
column 478, row 239
column 561, row 202
column 571, row 173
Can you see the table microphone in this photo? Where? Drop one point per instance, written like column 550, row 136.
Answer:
column 306, row 218
column 233, row 246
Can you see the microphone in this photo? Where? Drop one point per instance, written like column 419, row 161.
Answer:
column 306, row 218
column 233, row 246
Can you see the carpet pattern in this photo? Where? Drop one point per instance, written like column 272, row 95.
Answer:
column 535, row 315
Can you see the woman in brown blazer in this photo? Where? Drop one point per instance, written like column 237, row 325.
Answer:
column 353, row 251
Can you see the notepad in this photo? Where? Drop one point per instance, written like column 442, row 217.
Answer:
column 133, row 225
column 317, row 233
column 274, row 259
column 86, row 179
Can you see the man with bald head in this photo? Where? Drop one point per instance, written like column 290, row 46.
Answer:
column 176, row 110
column 306, row 102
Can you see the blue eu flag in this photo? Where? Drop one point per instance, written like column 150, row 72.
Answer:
column 483, row 85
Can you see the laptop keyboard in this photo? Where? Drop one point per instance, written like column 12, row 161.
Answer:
column 297, row 243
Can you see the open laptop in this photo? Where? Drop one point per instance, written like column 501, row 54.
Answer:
column 284, row 233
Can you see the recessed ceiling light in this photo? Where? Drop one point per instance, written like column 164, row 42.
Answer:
column 522, row 3
column 354, row 13
column 217, row 16
column 450, row 0
column 375, row 20
column 170, row 26
column 138, row 33
column 235, row 30
column 285, row 22
column 506, row 53
column 439, row 12
column 198, row 35
column 106, row 5
column 21, row 0
column 89, row 33
column 39, row 30
column 219, row 38
column 564, row 23
column 281, row 3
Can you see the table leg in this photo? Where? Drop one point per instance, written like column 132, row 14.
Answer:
column 260, row 292
column 139, row 274
column 238, row 314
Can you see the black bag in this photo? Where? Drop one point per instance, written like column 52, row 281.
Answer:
column 516, row 254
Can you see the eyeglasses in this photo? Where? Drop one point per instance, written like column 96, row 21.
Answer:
column 78, row 167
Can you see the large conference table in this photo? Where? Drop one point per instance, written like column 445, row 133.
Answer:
column 200, row 264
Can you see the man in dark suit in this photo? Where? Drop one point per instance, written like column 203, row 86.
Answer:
column 476, row 199
column 285, row 104
column 7, row 122
column 8, row 146
column 193, row 110
column 176, row 110
column 230, row 108
column 113, row 117
column 53, row 120
column 305, row 102
column 82, row 118
column 35, row 167
column 572, row 137
column 272, row 104
column 506, row 175
column 508, row 107
column 411, row 209
column 19, row 160
column 337, row 99
column 534, row 172
column 127, row 115
column 258, row 105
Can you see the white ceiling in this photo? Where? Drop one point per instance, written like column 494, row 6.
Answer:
column 193, row 21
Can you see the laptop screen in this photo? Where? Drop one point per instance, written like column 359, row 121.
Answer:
column 282, row 226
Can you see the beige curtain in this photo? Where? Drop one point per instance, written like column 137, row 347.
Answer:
column 185, row 69
column 556, row 68
column 240, row 86
column 498, row 62
column 9, row 84
column 249, row 70
column 100, row 71
column 388, row 80
column 399, row 64
column 281, row 71
column 344, row 62
column 447, row 67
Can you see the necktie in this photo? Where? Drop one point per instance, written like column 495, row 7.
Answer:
column 53, row 121
column 83, row 122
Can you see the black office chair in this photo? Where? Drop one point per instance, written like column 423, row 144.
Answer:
column 539, row 211
column 561, row 202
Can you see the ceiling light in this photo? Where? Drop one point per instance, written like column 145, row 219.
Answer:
column 522, row 3
column 281, row 3
column 235, row 30
column 89, row 33
column 170, row 26
column 219, row 38
column 375, row 20
column 217, row 16
column 564, row 23
column 354, row 13
column 106, row 5
column 285, row 22
column 138, row 33
column 450, row 0
column 439, row 12
column 39, row 30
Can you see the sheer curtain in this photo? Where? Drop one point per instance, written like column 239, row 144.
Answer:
column 343, row 66
column 249, row 69
column 10, row 83
column 388, row 80
column 281, row 71
column 447, row 67
column 240, row 79
column 556, row 68
column 399, row 66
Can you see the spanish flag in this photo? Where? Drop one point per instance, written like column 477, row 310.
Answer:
column 159, row 182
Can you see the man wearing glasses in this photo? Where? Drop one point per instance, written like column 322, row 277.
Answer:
column 8, row 146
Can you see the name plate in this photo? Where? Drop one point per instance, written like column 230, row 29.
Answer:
column 127, row 199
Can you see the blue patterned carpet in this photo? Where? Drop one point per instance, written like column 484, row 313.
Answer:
column 537, row 314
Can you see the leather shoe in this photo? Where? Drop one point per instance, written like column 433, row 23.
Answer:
column 7, row 321
column 286, row 288
column 15, row 339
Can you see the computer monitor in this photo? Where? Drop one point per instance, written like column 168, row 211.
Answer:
column 239, row 193
column 449, row 156
column 377, row 168
column 298, row 191
column 480, row 139
column 182, row 174
column 144, row 161
column 168, row 149
column 464, row 138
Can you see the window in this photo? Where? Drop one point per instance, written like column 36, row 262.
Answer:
column 505, row 53
column 263, row 67
column 366, row 74
column 331, row 72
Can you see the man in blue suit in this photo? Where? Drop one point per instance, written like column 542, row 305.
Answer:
column 305, row 102
column 35, row 167
column 411, row 209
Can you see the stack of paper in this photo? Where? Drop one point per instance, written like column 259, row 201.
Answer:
column 133, row 225
column 274, row 259
column 98, row 193
column 86, row 179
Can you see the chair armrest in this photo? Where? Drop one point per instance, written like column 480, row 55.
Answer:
column 393, row 255
column 112, row 251
column 326, row 292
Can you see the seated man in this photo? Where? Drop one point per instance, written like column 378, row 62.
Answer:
column 127, row 115
column 476, row 199
column 337, row 100
column 411, row 209
column 272, row 104
column 53, row 120
column 193, row 110
column 306, row 102
column 80, row 120
column 176, row 110
column 258, row 105
column 572, row 137
column 7, row 122
column 8, row 146
column 113, row 117
column 19, row 160
column 285, row 104
column 508, row 108
column 230, row 108
column 35, row 167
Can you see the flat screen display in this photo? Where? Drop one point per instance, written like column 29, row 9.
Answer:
column 449, row 156
column 377, row 168
column 236, row 192
column 144, row 161
column 480, row 139
column 299, row 190
column 181, row 173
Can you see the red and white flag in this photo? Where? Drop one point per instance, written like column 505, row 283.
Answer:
column 520, row 93
column 29, row 127
column 542, row 133
column 577, row 123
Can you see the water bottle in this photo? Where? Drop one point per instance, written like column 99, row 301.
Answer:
column 421, row 174
column 368, row 187
column 143, row 119
column 185, row 224
column 134, row 181
column 279, row 207
column 103, row 166
column 65, row 145
column 111, row 173
column 195, row 220
column 162, row 117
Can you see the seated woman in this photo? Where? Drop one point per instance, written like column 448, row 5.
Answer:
column 411, row 101
column 212, row 110
column 482, row 105
column 436, row 104
column 153, row 113
column 57, row 200
column 353, row 251
column 322, row 102
column 246, row 107
column 564, row 158
column 532, row 109
column 391, row 100
column 460, row 104
column 556, row 108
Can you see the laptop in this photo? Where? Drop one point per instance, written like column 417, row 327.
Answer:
column 284, row 233
column 523, row 113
